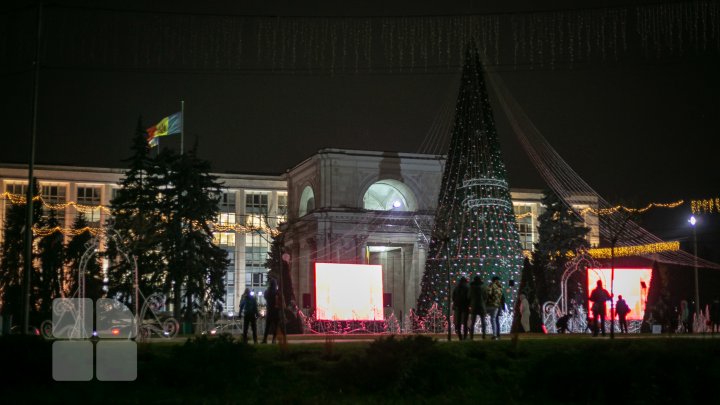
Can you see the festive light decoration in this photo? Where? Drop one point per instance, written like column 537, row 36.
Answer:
column 313, row 43
column 66, row 231
column 18, row 199
column 708, row 206
column 637, row 250
column 213, row 226
column 618, row 208
column 475, row 230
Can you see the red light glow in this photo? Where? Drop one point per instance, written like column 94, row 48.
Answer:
column 348, row 291
column 115, row 331
column 628, row 283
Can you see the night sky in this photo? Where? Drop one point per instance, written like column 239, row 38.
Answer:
column 636, row 128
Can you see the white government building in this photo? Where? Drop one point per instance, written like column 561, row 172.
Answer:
column 347, row 206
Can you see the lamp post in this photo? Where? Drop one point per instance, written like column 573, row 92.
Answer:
column 692, row 222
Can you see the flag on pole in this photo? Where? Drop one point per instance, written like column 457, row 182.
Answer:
column 169, row 125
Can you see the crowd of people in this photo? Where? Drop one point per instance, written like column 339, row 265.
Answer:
column 473, row 300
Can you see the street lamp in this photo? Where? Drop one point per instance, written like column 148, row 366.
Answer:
column 692, row 222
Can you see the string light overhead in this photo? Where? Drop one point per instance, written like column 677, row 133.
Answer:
column 636, row 250
column 709, row 206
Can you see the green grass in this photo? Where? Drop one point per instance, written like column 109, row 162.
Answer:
column 414, row 369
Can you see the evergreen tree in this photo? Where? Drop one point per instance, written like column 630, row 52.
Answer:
column 136, row 219
column 51, row 250
column 279, row 269
column 12, row 267
column 475, row 230
column 195, row 265
column 559, row 233
column 658, row 304
column 77, row 247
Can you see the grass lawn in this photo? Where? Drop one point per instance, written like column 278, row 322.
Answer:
column 412, row 369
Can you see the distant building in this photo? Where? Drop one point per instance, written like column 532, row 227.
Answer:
column 246, row 200
column 338, row 205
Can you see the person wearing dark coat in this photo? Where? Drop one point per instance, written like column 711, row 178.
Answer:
column 461, row 306
column 272, row 317
column 477, row 305
column 249, row 311
column 599, row 297
column 622, row 309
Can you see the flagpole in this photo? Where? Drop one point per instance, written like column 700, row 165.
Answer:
column 30, row 192
column 182, row 124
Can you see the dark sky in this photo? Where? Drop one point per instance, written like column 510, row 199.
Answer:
column 636, row 128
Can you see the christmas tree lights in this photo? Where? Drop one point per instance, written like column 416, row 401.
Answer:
column 475, row 231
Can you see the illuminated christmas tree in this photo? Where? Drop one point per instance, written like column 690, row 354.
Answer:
column 475, row 232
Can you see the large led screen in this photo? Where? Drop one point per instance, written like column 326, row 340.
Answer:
column 632, row 284
column 348, row 291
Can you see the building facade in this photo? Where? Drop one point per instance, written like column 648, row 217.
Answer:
column 250, row 200
column 367, row 207
column 345, row 206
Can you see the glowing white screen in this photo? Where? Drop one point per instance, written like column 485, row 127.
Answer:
column 348, row 291
column 628, row 283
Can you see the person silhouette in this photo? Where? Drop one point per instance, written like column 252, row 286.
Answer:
column 477, row 305
column 622, row 309
column 249, row 311
column 461, row 305
column 494, row 305
column 599, row 296
column 272, row 310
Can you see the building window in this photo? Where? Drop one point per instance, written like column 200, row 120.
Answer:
column 224, row 238
column 254, row 280
column 230, row 282
column 282, row 208
column 54, row 197
column 227, row 202
column 256, row 250
column 256, row 254
column 226, row 218
column 256, row 209
column 88, row 200
column 19, row 189
column 230, row 299
column 525, row 222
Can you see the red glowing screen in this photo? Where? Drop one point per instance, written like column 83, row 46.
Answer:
column 348, row 291
column 632, row 284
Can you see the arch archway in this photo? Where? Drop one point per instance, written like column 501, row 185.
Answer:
column 389, row 195
column 307, row 201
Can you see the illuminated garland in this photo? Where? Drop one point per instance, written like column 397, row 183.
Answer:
column 709, row 206
column 697, row 206
column 42, row 232
column 637, row 250
column 617, row 208
column 215, row 228
column 18, row 199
